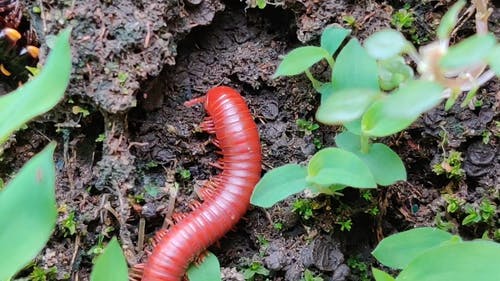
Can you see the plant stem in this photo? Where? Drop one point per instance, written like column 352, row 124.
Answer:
column 365, row 143
column 316, row 83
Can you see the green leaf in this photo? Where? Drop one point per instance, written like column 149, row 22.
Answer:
column 385, row 44
column 111, row 264
column 332, row 165
column 261, row 4
column 42, row 93
column 345, row 105
column 27, row 213
column 278, row 184
column 397, row 111
column 472, row 260
column 332, row 37
column 299, row 60
column 354, row 68
column 398, row 250
column 475, row 49
column 326, row 91
column 393, row 72
column 449, row 20
column 209, row 269
column 380, row 275
column 354, row 126
column 494, row 59
column 385, row 164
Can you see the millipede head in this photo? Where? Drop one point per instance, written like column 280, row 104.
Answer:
column 10, row 34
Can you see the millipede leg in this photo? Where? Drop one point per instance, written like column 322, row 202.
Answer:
column 208, row 125
column 136, row 272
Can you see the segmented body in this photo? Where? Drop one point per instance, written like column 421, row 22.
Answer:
column 18, row 43
column 225, row 198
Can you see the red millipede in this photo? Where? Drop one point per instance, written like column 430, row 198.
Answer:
column 226, row 197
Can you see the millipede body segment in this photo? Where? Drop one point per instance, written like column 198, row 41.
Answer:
column 226, row 197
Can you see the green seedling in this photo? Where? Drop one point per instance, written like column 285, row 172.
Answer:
column 429, row 254
column 278, row 226
column 385, row 98
column 451, row 166
column 100, row 138
column 307, row 126
column 454, row 203
column 345, row 225
column 185, row 174
column 359, row 268
column 255, row 268
column 308, row 276
column 403, row 18
column 304, row 208
column 97, row 249
column 40, row 274
column 69, row 225
column 350, row 21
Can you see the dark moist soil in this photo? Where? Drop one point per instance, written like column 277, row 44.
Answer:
column 139, row 150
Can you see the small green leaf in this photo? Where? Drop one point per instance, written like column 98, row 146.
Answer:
column 209, row 269
column 385, row 44
column 471, row 260
column 380, row 275
column 393, row 72
column 27, row 213
column 261, row 4
column 354, row 68
column 278, row 184
column 111, row 264
column 299, row 60
column 345, row 105
column 385, row 164
column 40, row 94
column 494, row 59
column 398, row 250
column 468, row 52
column 449, row 20
column 332, row 37
column 401, row 108
column 332, row 165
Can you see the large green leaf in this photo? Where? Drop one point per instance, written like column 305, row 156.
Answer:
column 111, row 264
column 209, row 269
column 472, row 260
column 332, row 37
column 398, row 250
column 278, row 184
column 345, row 105
column 469, row 52
column 398, row 110
column 334, row 166
column 299, row 60
column 354, row 68
column 385, row 44
column 385, row 164
column 27, row 213
column 42, row 93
